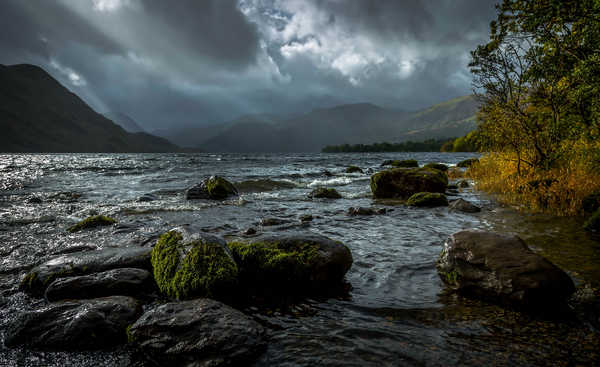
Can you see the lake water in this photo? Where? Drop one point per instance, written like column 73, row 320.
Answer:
column 396, row 312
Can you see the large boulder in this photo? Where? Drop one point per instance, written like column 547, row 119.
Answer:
column 214, row 187
column 402, row 182
column 116, row 282
column 189, row 265
column 293, row 263
column 75, row 324
column 82, row 263
column 427, row 199
column 503, row 269
column 200, row 332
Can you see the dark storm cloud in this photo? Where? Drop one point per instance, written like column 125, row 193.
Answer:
column 185, row 62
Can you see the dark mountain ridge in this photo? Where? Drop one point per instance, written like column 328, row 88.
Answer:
column 38, row 114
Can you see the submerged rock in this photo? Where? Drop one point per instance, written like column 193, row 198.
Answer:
column 201, row 332
column 298, row 264
column 81, row 263
column 188, row 265
column 439, row 166
column 503, row 269
column 75, row 325
column 402, row 182
column 467, row 162
column 92, row 222
column 116, row 282
column 407, row 163
column 427, row 199
column 352, row 211
column 354, row 169
column 214, row 187
column 147, row 197
column 463, row 206
column 324, row 193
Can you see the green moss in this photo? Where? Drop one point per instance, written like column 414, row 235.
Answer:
column 220, row 188
column 354, row 169
column 450, row 277
column 427, row 199
column 195, row 269
column 274, row 264
column 407, row 163
column 438, row 166
column 324, row 192
column 593, row 223
column 130, row 337
column 92, row 222
column 29, row 280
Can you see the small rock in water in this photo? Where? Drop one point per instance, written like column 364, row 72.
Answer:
column 463, row 184
column 267, row 222
column 249, row 232
column 463, row 206
column 306, row 218
column 365, row 211
column 147, row 197
column 427, row 199
column 35, row 200
column 324, row 193
column 214, row 188
column 92, row 222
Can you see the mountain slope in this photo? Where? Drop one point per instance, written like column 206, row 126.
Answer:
column 38, row 114
column 124, row 121
column 352, row 124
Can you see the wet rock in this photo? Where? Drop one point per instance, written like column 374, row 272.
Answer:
column 593, row 223
column 463, row 184
column 324, row 193
column 214, row 188
column 407, row 163
column 439, row 166
column 75, row 325
column 402, row 182
column 503, row 269
column 267, row 222
column 306, row 218
column 92, row 222
column 387, row 162
column 116, row 282
column 200, row 332
column 427, row 199
column 147, row 198
column 249, row 232
column 35, row 200
column 82, row 263
column 188, row 265
column 327, row 173
column 467, row 162
column 297, row 263
column 352, row 211
column 462, row 205
column 354, row 169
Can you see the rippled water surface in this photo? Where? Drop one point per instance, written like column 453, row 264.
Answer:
column 396, row 313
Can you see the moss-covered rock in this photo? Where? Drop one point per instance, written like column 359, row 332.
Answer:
column 298, row 265
column 467, row 163
column 354, row 169
column 92, row 222
column 427, row 199
column 593, row 223
column 324, row 193
column 407, row 163
column 214, row 187
column 439, row 166
column 402, row 182
column 193, row 265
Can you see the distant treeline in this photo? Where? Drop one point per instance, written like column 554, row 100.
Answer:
column 463, row 144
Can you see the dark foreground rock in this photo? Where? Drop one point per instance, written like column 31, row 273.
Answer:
column 214, row 188
column 82, row 263
column 503, row 269
column 462, row 205
column 324, row 193
column 189, row 265
column 402, row 182
column 200, row 332
column 427, row 199
column 75, row 325
column 299, row 264
column 117, row 282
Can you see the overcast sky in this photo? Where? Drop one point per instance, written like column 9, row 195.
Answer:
column 184, row 62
